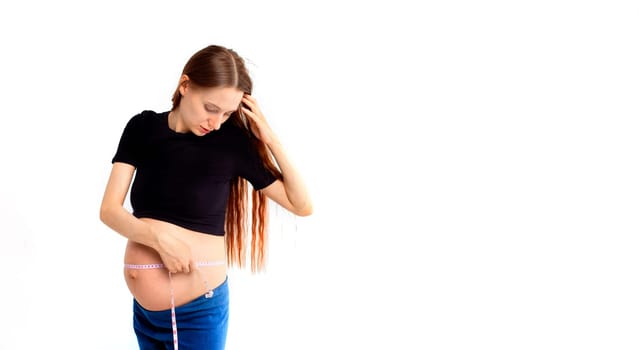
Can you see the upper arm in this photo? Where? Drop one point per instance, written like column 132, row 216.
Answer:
column 118, row 184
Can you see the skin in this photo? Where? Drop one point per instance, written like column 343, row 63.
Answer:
column 201, row 110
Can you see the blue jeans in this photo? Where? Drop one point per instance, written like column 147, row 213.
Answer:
column 201, row 324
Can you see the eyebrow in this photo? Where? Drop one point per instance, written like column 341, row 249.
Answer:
column 218, row 107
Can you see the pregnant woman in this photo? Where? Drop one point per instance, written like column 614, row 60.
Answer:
column 188, row 170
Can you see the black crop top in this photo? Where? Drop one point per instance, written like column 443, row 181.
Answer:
column 185, row 179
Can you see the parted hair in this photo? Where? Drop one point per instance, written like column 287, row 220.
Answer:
column 217, row 66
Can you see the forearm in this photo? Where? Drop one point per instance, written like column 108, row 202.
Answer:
column 124, row 223
column 294, row 185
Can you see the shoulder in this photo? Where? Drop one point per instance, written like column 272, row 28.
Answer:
column 145, row 120
column 147, row 116
column 232, row 127
column 235, row 133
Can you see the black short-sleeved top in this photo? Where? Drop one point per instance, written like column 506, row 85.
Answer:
column 183, row 178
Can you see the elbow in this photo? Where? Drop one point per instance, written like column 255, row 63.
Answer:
column 307, row 210
column 105, row 214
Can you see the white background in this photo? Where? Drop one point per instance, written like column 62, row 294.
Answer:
column 473, row 167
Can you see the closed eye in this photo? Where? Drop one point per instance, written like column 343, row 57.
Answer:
column 216, row 109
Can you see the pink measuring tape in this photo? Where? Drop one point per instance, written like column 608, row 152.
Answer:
column 209, row 293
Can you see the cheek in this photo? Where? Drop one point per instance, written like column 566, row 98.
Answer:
column 197, row 118
column 193, row 114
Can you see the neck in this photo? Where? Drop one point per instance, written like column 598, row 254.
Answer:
column 174, row 121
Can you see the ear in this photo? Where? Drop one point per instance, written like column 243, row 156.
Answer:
column 184, row 83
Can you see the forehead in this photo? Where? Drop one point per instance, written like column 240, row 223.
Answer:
column 223, row 97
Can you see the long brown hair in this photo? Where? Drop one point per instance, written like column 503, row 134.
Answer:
column 217, row 66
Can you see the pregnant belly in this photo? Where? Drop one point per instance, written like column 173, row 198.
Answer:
column 152, row 287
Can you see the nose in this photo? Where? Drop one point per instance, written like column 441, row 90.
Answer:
column 215, row 122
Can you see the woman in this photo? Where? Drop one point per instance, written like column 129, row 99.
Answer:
column 190, row 199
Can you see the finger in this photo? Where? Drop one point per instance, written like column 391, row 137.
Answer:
column 177, row 268
column 247, row 107
column 190, row 267
column 245, row 103
column 247, row 99
column 249, row 113
column 183, row 267
column 194, row 266
column 250, row 102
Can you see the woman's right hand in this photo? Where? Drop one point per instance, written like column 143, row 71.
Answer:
column 175, row 254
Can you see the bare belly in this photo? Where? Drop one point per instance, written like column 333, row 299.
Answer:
column 151, row 287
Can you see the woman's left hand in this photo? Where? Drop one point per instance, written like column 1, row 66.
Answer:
column 256, row 119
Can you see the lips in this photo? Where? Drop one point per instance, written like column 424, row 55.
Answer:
column 204, row 130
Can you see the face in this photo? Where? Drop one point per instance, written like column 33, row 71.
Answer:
column 203, row 110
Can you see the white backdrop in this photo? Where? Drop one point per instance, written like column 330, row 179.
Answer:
column 473, row 167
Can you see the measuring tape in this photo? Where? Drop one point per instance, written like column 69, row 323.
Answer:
column 208, row 294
